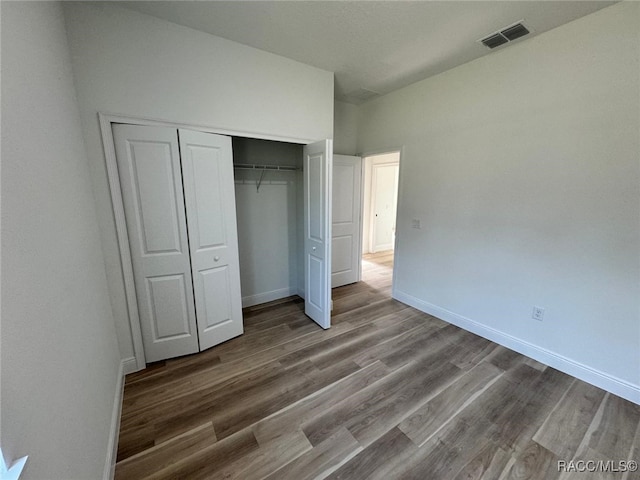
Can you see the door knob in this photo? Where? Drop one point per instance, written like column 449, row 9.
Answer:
column 313, row 248
column 216, row 258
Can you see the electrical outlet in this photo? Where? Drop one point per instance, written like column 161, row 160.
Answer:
column 538, row 313
column 415, row 223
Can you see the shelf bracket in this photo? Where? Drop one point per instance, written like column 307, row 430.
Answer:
column 259, row 182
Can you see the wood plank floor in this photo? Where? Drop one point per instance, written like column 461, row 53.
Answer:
column 386, row 393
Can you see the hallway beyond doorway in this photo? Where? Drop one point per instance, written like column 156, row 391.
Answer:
column 377, row 271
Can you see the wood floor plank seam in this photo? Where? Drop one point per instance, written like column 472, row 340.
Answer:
column 406, row 425
column 319, row 392
column 386, row 393
column 299, row 342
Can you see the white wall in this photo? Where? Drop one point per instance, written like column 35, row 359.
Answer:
column 523, row 168
column 60, row 356
column 129, row 63
column 345, row 128
column 267, row 220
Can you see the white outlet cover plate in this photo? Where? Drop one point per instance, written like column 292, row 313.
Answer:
column 538, row 313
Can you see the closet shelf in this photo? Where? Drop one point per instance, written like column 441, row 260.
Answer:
column 249, row 166
column 262, row 169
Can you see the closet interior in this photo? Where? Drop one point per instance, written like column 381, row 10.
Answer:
column 269, row 212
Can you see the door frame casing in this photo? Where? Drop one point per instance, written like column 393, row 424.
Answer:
column 106, row 120
column 396, row 251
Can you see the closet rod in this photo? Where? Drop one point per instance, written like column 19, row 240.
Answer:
column 248, row 166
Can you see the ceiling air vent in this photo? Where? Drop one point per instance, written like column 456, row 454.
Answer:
column 505, row 35
column 516, row 31
column 494, row 41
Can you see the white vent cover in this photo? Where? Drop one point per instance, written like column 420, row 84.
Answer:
column 505, row 35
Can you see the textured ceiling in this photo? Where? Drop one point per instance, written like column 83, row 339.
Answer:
column 376, row 46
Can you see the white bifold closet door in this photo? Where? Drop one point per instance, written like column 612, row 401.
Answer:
column 207, row 172
column 178, row 194
column 317, row 172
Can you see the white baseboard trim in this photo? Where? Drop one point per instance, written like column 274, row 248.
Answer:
column 112, row 445
column 129, row 365
column 590, row 375
column 260, row 298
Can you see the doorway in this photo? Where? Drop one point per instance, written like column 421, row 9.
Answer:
column 380, row 204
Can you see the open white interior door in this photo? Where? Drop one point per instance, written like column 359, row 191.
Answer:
column 345, row 221
column 384, row 201
column 317, row 172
